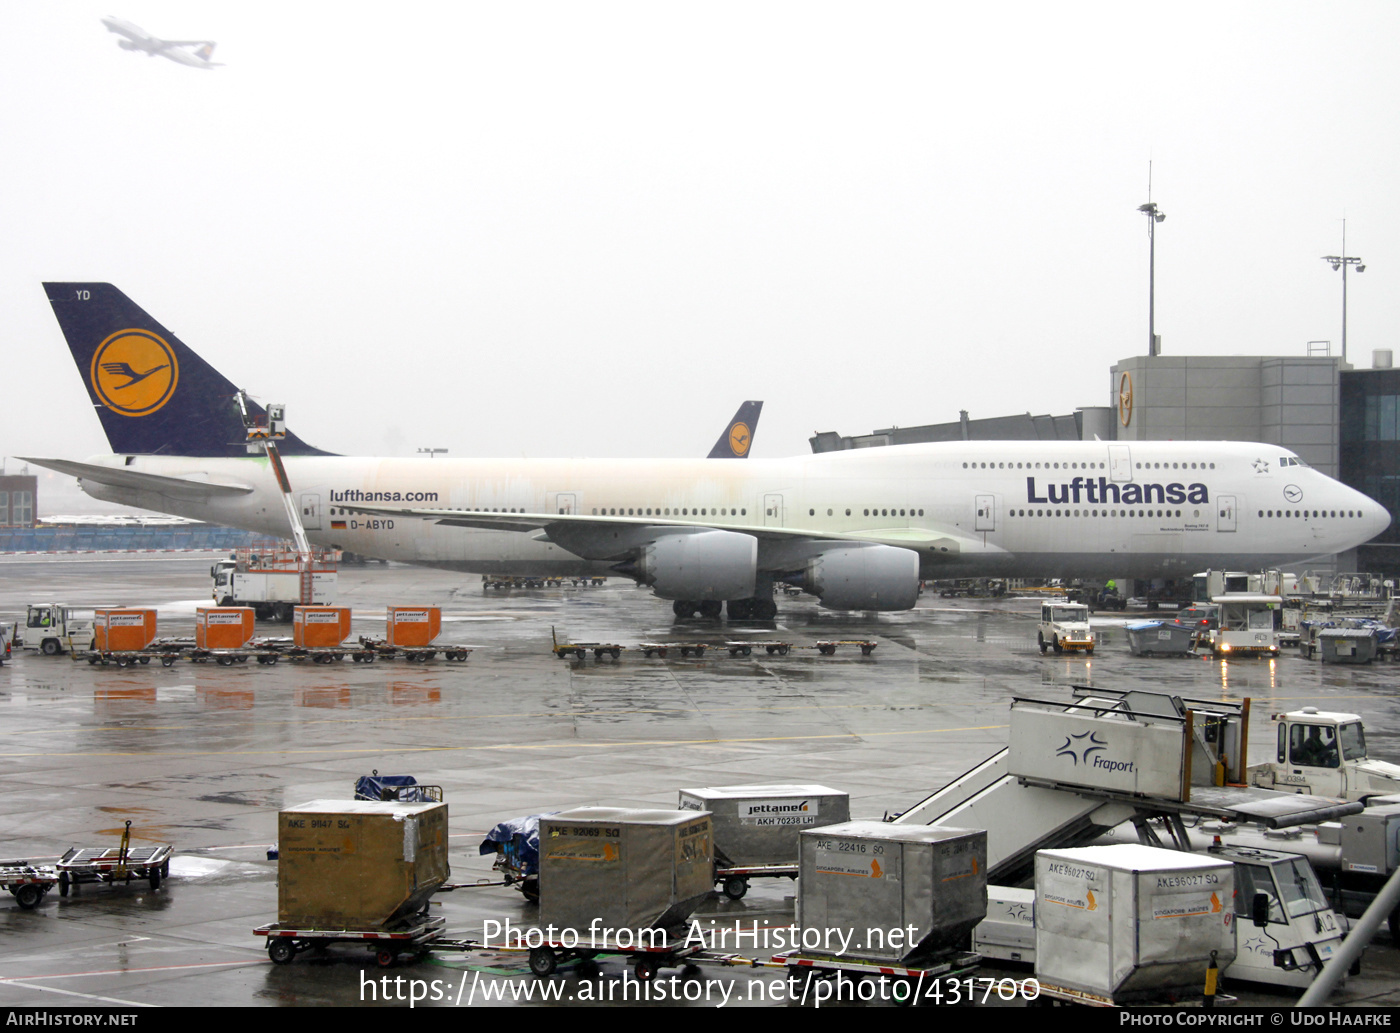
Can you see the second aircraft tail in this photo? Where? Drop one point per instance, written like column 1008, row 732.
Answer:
column 737, row 438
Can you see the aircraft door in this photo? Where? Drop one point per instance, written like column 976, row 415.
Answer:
column 986, row 513
column 563, row 503
column 1120, row 462
column 772, row 511
column 1225, row 513
column 311, row 512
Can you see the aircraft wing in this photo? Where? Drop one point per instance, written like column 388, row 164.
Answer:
column 932, row 540
column 171, row 487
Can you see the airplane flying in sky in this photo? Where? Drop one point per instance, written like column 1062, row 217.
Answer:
column 136, row 38
column 856, row 528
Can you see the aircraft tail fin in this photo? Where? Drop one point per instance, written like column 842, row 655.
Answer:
column 153, row 394
column 737, row 438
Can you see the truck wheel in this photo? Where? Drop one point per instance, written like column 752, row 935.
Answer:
column 154, row 878
column 1055, row 644
column 1041, row 639
column 735, row 888
column 50, row 647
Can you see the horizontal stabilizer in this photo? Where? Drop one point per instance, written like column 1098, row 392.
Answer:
column 171, row 487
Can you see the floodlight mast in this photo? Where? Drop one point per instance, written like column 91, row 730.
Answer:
column 1154, row 216
column 1342, row 262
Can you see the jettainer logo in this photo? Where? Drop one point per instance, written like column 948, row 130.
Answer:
column 1104, row 492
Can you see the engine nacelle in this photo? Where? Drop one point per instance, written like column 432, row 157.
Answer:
column 865, row 577
column 707, row 565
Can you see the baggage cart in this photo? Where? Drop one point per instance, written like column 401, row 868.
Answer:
column 1162, row 638
column 114, row 864
column 662, row 648
column 28, row 883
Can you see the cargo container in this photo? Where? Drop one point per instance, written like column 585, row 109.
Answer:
column 315, row 627
column 621, row 869
column 1161, row 638
column 892, row 892
column 358, row 864
column 123, row 630
column 223, row 627
column 412, row 625
column 760, row 824
column 1129, row 924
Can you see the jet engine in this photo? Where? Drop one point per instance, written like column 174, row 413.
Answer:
column 708, row 565
column 864, row 577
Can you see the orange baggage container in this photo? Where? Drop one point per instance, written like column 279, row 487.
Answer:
column 223, row 627
column 413, row 625
column 121, row 630
column 314, row 626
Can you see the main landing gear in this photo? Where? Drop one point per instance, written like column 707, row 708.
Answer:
column 739, row 609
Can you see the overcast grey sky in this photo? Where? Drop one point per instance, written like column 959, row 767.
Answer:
column 594, row 228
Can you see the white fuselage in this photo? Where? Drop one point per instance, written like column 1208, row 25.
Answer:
column 1022, row 509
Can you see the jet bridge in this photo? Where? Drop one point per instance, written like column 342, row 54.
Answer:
column 1073, row 770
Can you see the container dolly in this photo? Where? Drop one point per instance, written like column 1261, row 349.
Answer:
column 114, row 864
column 733, row 880
column 418, row 937
column 563, row 650
column 828, row 648
column 684, row 648
column 646, row 961
column 746, row 648
column 28, row 883
column 380, row 649
column 908, row 977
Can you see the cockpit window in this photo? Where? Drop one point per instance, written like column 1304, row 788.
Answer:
column 1290, row 461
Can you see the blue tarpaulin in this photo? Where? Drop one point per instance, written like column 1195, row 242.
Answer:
column 520, row 838
column 389, row 787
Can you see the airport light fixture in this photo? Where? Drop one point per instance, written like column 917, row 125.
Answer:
column 1154, row 216
column 433, row 451
column 1341, row 262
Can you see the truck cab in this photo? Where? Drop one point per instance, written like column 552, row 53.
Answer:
column 1064, row 626
column 1324, row 753
column 48, row 627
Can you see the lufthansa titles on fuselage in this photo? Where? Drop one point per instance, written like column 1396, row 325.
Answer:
column 1103, row 492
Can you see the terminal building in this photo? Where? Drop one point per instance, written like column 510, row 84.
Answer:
column 1345, row 422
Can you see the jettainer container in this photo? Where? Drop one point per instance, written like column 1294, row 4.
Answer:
column 320, row 626
column 1131, row 923
column 123, row 630
column 358, row 864
column 896, row 892
column 760, row 824
column 623, row 868
column 223, row 627
column 412, row 625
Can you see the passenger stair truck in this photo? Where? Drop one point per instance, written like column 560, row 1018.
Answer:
column 1073, row 770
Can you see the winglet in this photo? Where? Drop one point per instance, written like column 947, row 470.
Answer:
column 737, row 439
column 153, row 394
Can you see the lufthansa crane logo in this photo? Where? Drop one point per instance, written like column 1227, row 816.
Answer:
column 740, row 437
column 1125, row 398
column 134, row 372
column 1293, row 493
